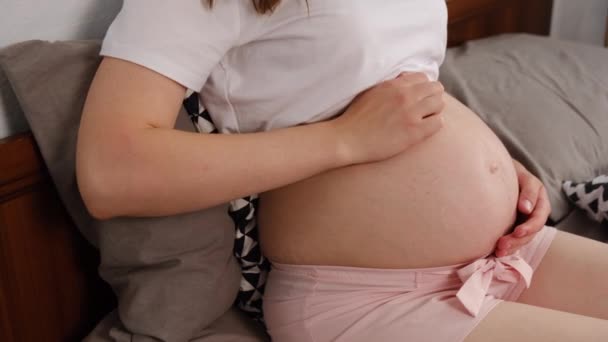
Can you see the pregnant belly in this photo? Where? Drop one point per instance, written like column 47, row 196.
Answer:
column 444, row 201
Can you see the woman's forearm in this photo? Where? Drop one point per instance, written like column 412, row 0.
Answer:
column 157, row 171
column 131, row 162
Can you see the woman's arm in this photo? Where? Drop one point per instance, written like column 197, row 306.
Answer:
column 131, row 162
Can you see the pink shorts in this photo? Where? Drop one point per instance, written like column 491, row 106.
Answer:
column 329, row 303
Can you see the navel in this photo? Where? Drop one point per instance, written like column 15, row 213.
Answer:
column 494, row 167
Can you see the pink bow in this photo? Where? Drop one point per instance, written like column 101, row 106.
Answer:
column 478, row 276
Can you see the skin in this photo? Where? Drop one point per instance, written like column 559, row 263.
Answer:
column 567, row 301
column 463, row 219
column 568, row 298
column 127, row 130
column 132, row 128
column 534, row 203
column 527, row 323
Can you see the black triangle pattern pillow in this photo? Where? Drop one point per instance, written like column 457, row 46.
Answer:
column 591, row 196
column 254, row 266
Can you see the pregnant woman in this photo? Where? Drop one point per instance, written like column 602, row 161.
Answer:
column 389, row 211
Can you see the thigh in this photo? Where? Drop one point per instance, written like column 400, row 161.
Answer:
column 572, row 277
column 510, row 321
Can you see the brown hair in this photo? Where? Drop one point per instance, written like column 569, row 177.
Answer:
column 261, row 6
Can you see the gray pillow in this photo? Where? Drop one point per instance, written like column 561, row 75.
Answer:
column 11, row 116
column 233, row 326
column 547, row 100
column 173, row 276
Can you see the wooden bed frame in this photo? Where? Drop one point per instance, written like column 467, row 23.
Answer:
column 49, row 288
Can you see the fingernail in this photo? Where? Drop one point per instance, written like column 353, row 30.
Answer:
column 520, row 232
column 528, row 206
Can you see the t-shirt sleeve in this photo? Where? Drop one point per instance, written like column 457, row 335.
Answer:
column 180, row 39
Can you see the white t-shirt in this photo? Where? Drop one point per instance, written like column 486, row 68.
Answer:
column 297, row 65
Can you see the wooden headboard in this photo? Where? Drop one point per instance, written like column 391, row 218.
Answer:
column 474, row 19
column 49, row 290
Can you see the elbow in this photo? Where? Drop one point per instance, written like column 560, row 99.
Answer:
column 95, row 190
column 97, row 179
column 98, row 208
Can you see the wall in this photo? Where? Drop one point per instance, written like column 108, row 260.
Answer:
column 580, row 20
column 53, row 20
column 49, row 20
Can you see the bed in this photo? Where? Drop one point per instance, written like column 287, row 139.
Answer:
column 49, row 286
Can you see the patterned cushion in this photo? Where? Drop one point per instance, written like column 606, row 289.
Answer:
column 591, row 196
column 254, row 266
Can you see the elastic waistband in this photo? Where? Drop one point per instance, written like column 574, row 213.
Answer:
column 363, row 275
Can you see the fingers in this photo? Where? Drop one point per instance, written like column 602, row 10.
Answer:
column 427, row 107
column 421, row 91
column 431, row 125
column 525, row 232
column 508, row 245
column 538, row 218
column 410, row 78
column 419, row 96
column 530, row 189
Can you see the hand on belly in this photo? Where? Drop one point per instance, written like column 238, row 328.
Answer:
column 389, row 118
column 444, row 201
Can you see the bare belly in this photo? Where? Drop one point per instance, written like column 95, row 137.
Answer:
column 444, row 201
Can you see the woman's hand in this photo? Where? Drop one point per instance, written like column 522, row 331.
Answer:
column 390, row 117
column 534, row 203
